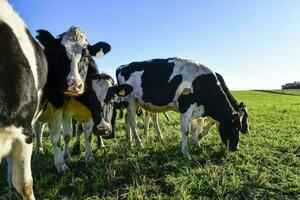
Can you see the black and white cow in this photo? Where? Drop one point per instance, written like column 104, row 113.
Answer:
column 238, row 107
column 198, row 128
column 70, row 62
column 94, row 107
column 183, row 86
column 23, row 70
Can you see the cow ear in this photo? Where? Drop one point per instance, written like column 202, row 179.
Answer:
column 242, row 105
column 237, row 115
column 122, row 90
column 46, row 39
column 99, row 49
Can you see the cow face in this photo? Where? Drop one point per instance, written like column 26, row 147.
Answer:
column 245, row 125
column 107, row 94
column 69, row 56
column 229, row 131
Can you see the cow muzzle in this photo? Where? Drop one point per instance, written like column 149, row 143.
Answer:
column 74, row 88
column 104, row 129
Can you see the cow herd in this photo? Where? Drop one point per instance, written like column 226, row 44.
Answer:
column 55, row 80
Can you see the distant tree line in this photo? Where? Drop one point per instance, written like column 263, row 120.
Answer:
column 295, row 85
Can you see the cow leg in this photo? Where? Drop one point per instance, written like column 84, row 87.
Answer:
column 76, row 148
column 38, row 128
column 68, row 133
column 185, row 119
column 54, row 130
column 88, row 129
column 21, row 168
column 9, row 171
column 131, row 117
column 147, row 123
column 194, row 131
column 102, row 145
column 156, row 125
column 127, row 129
column 206, row 129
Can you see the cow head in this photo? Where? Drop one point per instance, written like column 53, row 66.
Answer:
column 107, row 95
column 229, row 130
column 245, row 125
column 68, row 58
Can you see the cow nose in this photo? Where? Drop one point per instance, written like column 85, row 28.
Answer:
column 75, row 86
column 104, row 128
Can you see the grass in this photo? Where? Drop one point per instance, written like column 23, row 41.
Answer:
column 264, row 168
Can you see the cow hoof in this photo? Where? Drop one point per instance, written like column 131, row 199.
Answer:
column 40, row 151
column 234, row 149
column 75, row 150
column 62, row 169
column 9, row 183
column 197, row 144
column 185, row 154
column 187, row 157
column 89, row 161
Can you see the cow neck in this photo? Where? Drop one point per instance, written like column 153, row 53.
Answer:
column 89, row 97
column 90, row 100
column 210, row 94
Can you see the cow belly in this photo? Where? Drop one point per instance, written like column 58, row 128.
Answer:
column 76, row 110
column 156, row 109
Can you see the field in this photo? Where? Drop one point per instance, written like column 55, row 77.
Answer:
column 266, row 166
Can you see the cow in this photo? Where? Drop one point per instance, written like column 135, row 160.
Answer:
column 70, row 59
column 183, row 86
column 95, row 106
column 23, row 69
column 197, row 125
column 93, row 109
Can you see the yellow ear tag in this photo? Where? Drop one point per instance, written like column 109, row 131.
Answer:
column 122, row 92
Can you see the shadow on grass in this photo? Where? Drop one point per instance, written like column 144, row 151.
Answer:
column 115, row 170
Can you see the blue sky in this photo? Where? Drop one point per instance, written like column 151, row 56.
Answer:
column 254, row 44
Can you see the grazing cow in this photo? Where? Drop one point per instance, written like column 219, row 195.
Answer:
column 197, row 125
column 183, row 86
column 23, row 69
column 70, row 62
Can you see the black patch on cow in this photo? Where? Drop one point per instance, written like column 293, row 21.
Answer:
column 42, row 70
column 58, row 67
column 18, row 95
column 185, row 101
column 94, row 49
column 157, row 88
column 210, row 94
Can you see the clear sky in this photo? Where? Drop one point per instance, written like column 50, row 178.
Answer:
column 254, row 44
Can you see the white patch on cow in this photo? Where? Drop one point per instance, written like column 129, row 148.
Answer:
column 7, row 136
column 198, row 111
column 100, row 53
column 100, row 87
column 12, row 143
column 74, row 41
column 40, row 44
column 14, row 21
